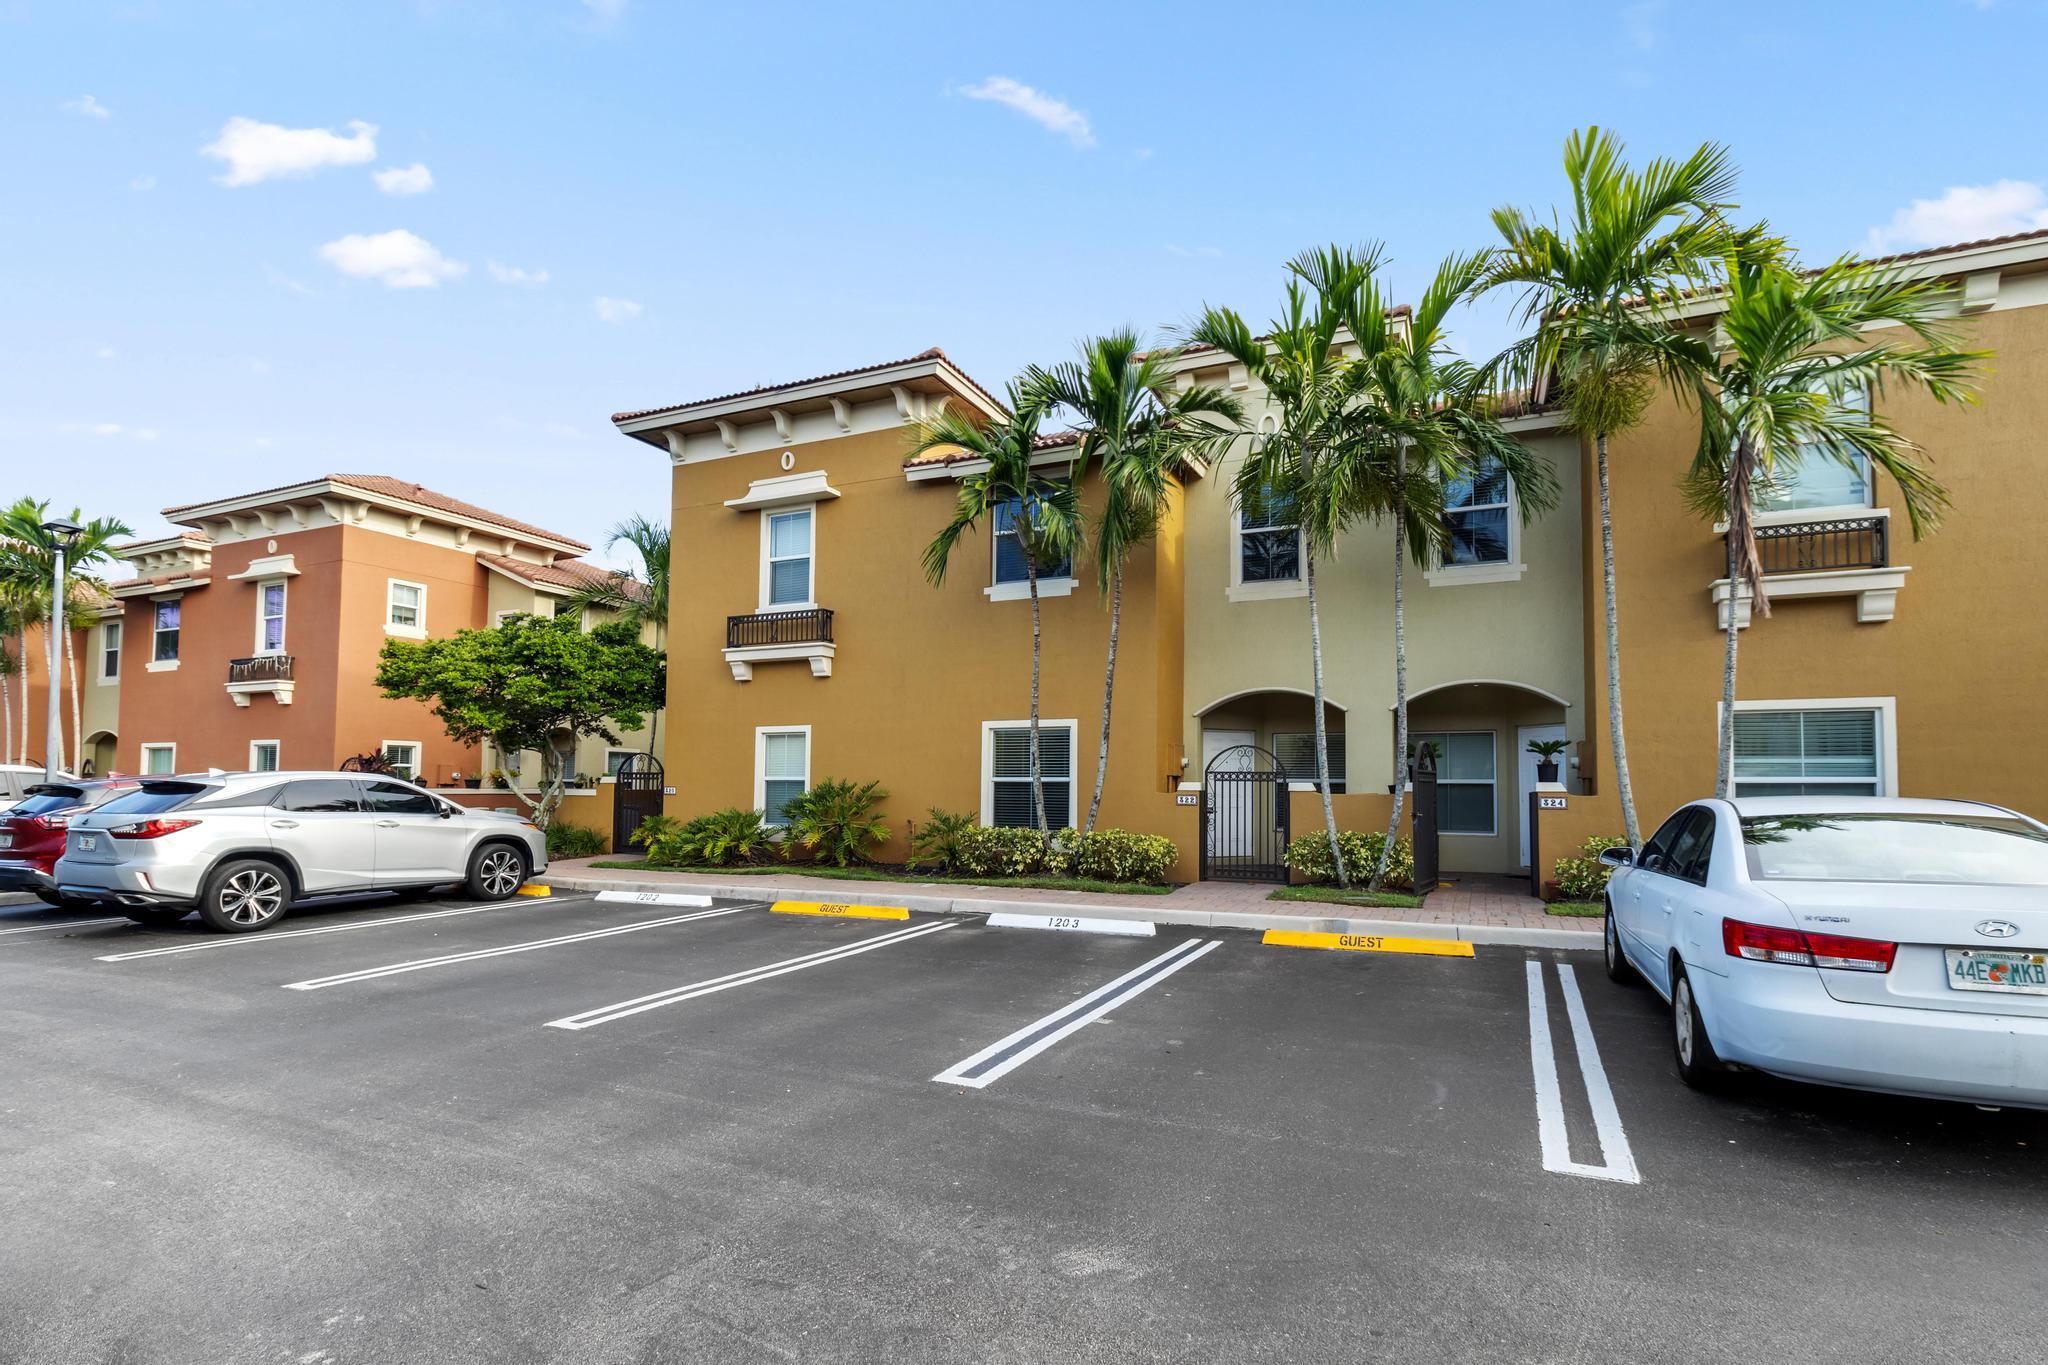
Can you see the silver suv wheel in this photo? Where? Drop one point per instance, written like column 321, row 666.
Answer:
column 499, row 872
column 251, row 896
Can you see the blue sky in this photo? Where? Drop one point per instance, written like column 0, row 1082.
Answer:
column 224, row 267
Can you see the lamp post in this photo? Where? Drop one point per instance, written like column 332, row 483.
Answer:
column 63, row 535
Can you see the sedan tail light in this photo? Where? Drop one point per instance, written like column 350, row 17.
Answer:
column 151, row 829
column 50, row 821
column 1796, row 948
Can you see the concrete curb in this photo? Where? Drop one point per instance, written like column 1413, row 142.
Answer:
column 752, row 890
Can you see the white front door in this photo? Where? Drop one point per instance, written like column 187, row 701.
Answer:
column 1526, row 765
column 1232, row 834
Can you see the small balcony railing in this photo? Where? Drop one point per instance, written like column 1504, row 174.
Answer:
column 1817, row 546
column 264, row 668
column 766, row 628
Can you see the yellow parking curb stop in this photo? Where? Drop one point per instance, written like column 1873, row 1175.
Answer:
column 537, row 889
column 840, row 911
column 1368, row 943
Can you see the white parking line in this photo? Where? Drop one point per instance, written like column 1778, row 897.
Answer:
column 531, row 945
column 604, row 1014
column 248, row 940
column 1620, row 1162
column 67, row 924
column 999, row 1059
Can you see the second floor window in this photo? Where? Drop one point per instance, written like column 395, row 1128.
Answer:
column 110, row 652
column 787, row 567
column 1817, row 479
column 405, row 609
column 1268, row 539
column 164, row 641
column 1476, row 512
column 1009, row 548
column 270, row 619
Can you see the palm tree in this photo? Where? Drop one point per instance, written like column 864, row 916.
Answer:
column 9, row 666
column 1420, row 421
column 1792, row 383
column 1598, row 291
column 29, row 562
column 639, row 599
column 1306, row 379
column 1044, row 511
column 1142, row 435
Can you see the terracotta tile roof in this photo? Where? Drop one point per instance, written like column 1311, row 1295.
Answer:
column 385, row 486
column 125, row 586
column 2040, row 234
column 1050, row 441
column 571, row 574
column 930, row 353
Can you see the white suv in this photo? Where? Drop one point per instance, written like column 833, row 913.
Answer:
column 240, row 848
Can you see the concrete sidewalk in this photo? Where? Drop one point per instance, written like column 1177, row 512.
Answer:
column 1476, row 916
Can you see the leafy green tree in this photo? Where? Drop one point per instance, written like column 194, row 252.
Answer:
column 1141, row 435
column 1045, row 512
column 1794, row 382
column 1599, row 292
column 526, row 684
column 27, row 559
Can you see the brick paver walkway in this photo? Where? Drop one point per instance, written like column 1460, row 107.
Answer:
column 1470, row 900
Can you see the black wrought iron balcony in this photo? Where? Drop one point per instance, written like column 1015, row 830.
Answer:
column 1819, row 546
column 264, row 668
column 769, row 628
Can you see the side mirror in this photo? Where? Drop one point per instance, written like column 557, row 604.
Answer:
column 446, row 812
column 1618, row 857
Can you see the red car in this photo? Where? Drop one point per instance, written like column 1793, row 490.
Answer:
column 32, row 832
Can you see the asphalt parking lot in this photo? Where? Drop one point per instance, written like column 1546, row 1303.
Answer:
column 566, row 1130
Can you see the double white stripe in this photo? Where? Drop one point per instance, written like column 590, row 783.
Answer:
column 250, row 940
column 65, row 924
column 604, row 1014
column 1620, row 1162
column 999, row 1059
column 478, row 954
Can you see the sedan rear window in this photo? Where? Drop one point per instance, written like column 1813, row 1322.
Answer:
column 154, row 798
column 43, row 802
column 1986, row 850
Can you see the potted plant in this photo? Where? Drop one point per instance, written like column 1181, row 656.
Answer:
column 1546, row 751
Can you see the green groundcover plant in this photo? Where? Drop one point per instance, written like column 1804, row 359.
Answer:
column 1308, row 856
column 1582, row 876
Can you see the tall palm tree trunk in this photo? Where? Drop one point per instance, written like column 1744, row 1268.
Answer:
column 1744, row 570
column 1315, row 647
column 1379, row 873
column 1615, row 740
column 77, row 708
column 1116, row 613
column 1037, row 776
column 21, row 639
column 7, row 705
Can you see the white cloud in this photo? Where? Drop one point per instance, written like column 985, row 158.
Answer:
column 413, row 179
column 110, row 429
column 512, row 274
column 1053, row 115
column 1180, row 250
column 256, row 152
column 284, row 281
column 107, row 353
column 1964, row 213
column 605, row 11
column 1640, row 23
column 399, row 258
column 89, row 107
column 142, row 184
column 615, row 310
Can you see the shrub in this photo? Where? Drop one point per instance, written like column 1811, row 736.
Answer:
column 574, row 841
column 837, row 821
column 1004, row 851
column 720, row 838
column 1583, row 877
column 1118, row 855
column 656, row 831
column 937, row 840
column 1309, row 855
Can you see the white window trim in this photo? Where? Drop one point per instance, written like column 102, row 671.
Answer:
column 761, row 733
column 143, row 755
column 810, row 603
column 1241, row 591
column 988, row 761
column 414, row 632
column 283, row 619
column 609, row 773
column 99, row 668
column 1509, row 570
column 1493, row 829
column 254, row 744
column 419, row 754
column 157, row 665
column 1887, row 709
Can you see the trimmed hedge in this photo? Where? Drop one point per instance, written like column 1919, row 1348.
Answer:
column 1584, row 877
column 1309, row 856
column 1109, row 855
column 574, row 841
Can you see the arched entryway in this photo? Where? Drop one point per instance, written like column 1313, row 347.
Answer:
column 1280, row 720
column 1481, row 729
column 98, row 750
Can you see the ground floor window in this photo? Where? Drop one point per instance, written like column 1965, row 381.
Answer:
column 1006, row 773
column 263, row 755
column 159, row 758
column 1297, row 755
column 404, row 757
column 1465, row 799
column 782, row 769
column 615, row 759
column 1809, row 750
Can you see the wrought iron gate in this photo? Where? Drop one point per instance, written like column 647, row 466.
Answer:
column 1244, row 817
column 636, row 795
